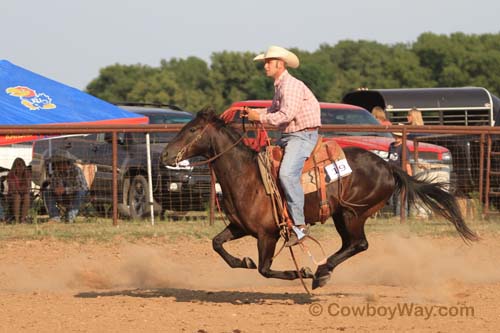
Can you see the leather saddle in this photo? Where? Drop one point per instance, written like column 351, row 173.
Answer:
column 314, row 176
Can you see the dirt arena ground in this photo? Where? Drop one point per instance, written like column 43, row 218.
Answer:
column 402, row 283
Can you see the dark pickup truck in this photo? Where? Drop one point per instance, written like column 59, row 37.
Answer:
column 180, row 188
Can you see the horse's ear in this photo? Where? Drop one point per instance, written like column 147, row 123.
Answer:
column 207, row 113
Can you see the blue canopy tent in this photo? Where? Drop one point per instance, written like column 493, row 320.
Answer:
column 27, row 98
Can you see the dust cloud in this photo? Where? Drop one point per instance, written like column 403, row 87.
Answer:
column 433, row 269
column 408, row 261
column 430, row 266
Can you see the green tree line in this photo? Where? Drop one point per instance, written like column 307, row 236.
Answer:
column 331, row 71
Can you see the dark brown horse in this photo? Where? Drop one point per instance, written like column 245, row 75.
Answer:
column 249, row 208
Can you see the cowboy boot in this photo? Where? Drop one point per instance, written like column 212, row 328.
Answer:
column 297, row 235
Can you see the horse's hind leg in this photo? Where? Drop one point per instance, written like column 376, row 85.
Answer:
column 231, row 232
column 353, row 242
column 267, row 246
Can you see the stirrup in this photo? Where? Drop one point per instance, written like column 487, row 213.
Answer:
column 297, row 236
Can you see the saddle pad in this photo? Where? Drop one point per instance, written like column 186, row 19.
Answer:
column 328, row 155
column 333, row 170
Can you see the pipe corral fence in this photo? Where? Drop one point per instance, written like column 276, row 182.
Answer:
column 473, row 172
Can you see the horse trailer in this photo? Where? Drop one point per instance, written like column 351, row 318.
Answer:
column 460, row 106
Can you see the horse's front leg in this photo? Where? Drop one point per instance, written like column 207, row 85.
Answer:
column 231, row 232
column 267, row 246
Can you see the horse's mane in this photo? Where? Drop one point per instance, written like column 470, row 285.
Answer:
column 225, row 128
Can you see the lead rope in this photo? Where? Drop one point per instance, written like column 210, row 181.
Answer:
column 281, row 223
column 299, row 273
column 276, row 201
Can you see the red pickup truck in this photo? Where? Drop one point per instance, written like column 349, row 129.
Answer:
column 429, row 155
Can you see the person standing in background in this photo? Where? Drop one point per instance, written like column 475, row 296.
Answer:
column 66, row 186
column 18, row 195
column 415, row 117
column 396, row 158
column 379, row 114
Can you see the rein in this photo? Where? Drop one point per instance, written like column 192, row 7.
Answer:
column 181, row 152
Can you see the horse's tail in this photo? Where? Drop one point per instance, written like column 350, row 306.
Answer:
column 434, row 196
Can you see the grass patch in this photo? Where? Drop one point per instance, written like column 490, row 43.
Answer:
column 102, row 230
column 435, row 227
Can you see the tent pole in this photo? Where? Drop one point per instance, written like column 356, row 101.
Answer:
column 50, row 156
column 114, row 143
column 150, row 180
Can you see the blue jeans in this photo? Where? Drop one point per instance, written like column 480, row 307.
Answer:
column 72, row 202
column 395, row 201
column 297, row 148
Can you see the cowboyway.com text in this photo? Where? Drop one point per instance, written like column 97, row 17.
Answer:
column 391, row 311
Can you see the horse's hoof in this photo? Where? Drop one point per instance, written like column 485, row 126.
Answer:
column 306, row 273
column 321, row 281
column 248, row 263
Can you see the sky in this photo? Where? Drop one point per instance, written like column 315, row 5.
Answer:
column 71, row 40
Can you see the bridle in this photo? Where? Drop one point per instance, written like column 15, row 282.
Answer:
column 182, row 151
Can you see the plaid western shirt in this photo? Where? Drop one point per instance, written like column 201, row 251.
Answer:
column 294, row 106
column 72, row 179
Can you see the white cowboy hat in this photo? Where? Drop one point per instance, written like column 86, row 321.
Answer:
column 398, row 133
column 288, row 57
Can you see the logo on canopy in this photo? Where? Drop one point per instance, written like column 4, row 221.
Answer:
column 30, row 98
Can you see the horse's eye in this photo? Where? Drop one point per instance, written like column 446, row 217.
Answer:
column 193, row 129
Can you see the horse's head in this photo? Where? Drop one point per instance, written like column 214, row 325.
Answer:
column 193, row 138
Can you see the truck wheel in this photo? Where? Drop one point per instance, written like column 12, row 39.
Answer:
column 123, row 205
column 138, row 198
